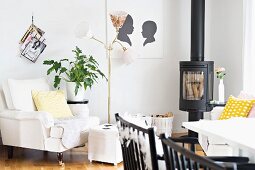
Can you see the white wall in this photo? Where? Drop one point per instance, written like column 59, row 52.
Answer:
column 225, row 41
column 148, row 85
column 58, row 19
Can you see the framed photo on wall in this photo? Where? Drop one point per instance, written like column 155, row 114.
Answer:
column 32, row 43
column 33, row 49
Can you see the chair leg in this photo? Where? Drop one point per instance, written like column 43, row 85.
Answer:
column 193, row 147
column 60, row 158
column 10, row 152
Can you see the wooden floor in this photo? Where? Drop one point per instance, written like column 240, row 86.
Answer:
column 75, row 159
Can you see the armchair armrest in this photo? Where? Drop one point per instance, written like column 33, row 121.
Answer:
column 44, row 117
column 30, row 128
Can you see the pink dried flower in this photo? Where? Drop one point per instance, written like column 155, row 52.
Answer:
column 219, row 69
column 118, row 18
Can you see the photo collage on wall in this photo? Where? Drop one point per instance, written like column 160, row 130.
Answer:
column 32, row 43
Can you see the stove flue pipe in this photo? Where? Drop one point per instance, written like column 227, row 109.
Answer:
column 197, row 30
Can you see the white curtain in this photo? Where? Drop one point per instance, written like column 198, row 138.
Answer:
column 249, row 46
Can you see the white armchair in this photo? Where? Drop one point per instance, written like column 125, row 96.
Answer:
column 22, row 126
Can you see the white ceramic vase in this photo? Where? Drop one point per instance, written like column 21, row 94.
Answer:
column 70, row 91
column 221, row 91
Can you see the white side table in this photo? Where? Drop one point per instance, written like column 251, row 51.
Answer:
column 79, row 108
column 104, row 144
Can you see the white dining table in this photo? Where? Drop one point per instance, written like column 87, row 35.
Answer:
column 239, row 133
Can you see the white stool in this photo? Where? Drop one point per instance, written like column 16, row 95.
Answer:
column 104, row 144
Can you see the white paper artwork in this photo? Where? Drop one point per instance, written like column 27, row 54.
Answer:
column 143, row 28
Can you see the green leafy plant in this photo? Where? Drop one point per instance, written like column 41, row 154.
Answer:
column 83, row 70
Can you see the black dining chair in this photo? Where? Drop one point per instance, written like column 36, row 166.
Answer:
column 138, row 146
column 179, row 158
column 193, row 141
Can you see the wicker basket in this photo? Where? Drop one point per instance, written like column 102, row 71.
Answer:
column 163, row 124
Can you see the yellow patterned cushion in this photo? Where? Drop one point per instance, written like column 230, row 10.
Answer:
column 236, row 108
column 53, row 102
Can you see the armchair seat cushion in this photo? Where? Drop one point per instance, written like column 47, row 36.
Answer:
column 58, row 131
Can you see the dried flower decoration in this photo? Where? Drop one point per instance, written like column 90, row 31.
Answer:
column 118, row 18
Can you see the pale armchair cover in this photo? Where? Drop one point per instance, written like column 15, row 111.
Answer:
column 29, row 128
column 25, row 129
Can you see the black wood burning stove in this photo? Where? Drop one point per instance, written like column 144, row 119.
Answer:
column 196, row 75
column 196, row 81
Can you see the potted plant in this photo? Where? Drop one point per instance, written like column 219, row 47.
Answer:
column 79, row 74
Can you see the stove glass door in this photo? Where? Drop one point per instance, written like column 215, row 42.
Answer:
column 193, row 85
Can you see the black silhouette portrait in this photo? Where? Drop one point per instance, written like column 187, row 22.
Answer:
column 126, row 29
column 149, row 30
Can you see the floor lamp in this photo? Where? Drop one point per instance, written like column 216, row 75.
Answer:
column 83, row 31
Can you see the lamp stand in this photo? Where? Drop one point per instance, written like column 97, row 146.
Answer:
column 109, row 48
column 118, row 18
column 109, row 83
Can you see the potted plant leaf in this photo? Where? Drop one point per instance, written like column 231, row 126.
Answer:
column 79, row 74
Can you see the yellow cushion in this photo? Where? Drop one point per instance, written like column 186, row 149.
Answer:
column 53, row 102
column 236, row 108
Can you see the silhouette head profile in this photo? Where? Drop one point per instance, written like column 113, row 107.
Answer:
column 149, row 30
column 126, row 29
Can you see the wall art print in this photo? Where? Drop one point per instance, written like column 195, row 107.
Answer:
column 32, row 43
column 143, row 28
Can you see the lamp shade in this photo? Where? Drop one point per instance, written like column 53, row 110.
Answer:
column 83, row 30
column 129, row 55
